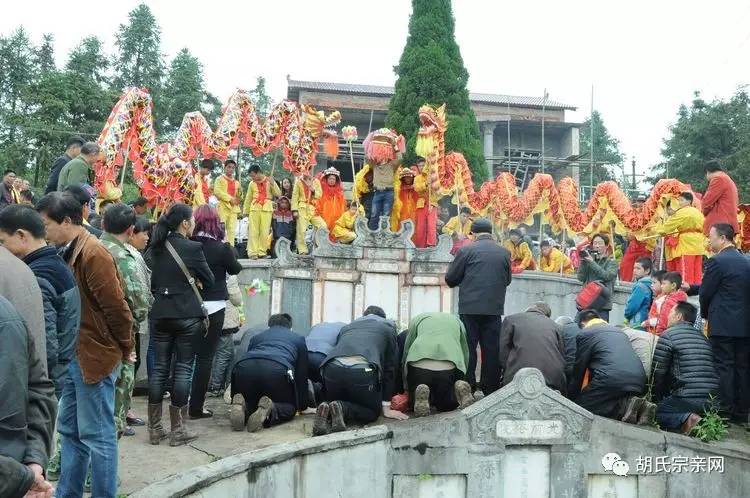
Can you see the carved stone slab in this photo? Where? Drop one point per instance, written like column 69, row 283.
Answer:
column 526, row 411
column 441, row 253
column 286, row 258
column 383, row 236
column 327, row 249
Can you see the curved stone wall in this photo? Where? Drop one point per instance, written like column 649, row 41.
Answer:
column 522, row 441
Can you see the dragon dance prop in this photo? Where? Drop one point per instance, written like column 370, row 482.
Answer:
column 163, row 171
column 449, row 174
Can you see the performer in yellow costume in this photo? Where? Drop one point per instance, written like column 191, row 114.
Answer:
column 520, row 252
column 685, row 242
column 227, row 190
column 258, row 207
column 553, row 259
column 343, row 230
column 405, row 198
column 202, row 183
column 306, row 192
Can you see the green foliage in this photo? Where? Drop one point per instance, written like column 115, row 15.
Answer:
column 184, row 89
column 607, row 155
column 712, row 427
column 431, row 71
column 709, row 130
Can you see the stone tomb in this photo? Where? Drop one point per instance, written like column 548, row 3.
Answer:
column 523, row 441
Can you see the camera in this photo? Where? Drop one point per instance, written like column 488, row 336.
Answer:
column 584, row 253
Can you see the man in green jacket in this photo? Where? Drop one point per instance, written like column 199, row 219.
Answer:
column 77, row 170
column 597, row 264
column 434, row 363
column 119, row 223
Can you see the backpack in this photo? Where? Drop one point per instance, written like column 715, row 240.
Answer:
column 594, row 295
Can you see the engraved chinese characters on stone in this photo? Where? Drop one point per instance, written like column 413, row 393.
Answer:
column 533, row 429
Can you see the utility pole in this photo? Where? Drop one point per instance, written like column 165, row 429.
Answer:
column 591, row 145
column 508, row 104
column 544, row 108
column 634, row 181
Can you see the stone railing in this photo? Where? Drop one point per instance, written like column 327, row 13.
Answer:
column 384, row 268
column 524, row 440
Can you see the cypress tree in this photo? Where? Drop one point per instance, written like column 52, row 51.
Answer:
column 431, row 71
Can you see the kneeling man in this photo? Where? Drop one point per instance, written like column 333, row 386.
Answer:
column 270, row 380
column 435, row 357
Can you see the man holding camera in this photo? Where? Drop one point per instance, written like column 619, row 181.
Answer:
column 598, row 265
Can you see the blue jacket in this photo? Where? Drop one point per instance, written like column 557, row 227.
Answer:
column 639, row 302
column 62, row 309
column 286, row 348
column 323, row 337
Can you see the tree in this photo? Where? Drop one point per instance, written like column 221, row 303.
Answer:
column 608, row 159
column 89, row 97
column 184, row 89
column 139, row 61
column 16, row 78
column 704, row 131
column 432, row 71
column 45, row 54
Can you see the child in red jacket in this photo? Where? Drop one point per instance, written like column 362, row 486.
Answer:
column 656, row 303
column 671, row 284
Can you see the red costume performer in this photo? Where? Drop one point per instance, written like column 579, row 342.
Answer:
column 331, row 204
column 426, row 214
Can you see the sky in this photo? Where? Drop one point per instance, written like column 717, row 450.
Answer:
column 642, row 58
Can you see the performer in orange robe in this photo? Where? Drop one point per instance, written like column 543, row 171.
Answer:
column 405, row 198
column 426, row 211
column 331, row 204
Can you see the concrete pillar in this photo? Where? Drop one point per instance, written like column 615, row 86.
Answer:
column 489, row 146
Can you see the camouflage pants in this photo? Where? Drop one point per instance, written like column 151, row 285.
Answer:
column 123, row 394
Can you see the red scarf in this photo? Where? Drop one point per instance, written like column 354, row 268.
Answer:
column 231, row 186
column 262, row 187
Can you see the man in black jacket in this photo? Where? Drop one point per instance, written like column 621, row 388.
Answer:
column 359, row 374
column 616, row 375
column 532, row 340
column 684, row 374
column 72, row 149
column 725, row 302
column 270, row 380
column 481, row 270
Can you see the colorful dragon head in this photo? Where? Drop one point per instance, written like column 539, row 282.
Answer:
column 433, row 123
column 383, row 146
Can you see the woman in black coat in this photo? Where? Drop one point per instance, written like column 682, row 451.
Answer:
column 177, row 315
column 222, row 260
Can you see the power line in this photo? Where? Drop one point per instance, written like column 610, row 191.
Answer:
column 53, row 130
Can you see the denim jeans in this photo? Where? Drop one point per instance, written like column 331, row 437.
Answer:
column 672, row 411
column 220, row 372
column 86, row 424
column 382, row 203
column 173, row 335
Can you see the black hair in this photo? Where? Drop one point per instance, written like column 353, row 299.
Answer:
column 74, row 140
column 90, row 148
column 688, row 196
column 207, row 164
column 545, row 243
column 374, row 310
column 713, row 166
column 586, row 315
column 95, row 221
column 724, row 229
column 141, row 201
column 603, row 236
column 19, row 217
column 465, row 210
column 169, row 222
column 79, row 193
column 673, row 277
column 8, row 172
column 515, row 231
column 142, row 224
column 60, row 205
column 118, row 218
column 687, row 310
column 280, row 320
column 658, row 275
column 254, row 169
column 230, row 161
column 27, row 195
column 646, row 264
